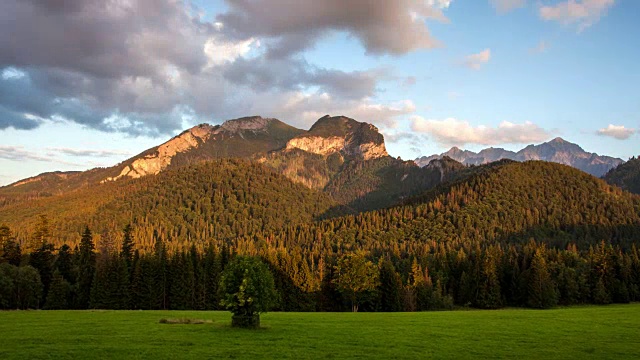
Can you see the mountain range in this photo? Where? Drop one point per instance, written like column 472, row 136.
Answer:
column 557, row 150
column 181, row 188
column 449, row 234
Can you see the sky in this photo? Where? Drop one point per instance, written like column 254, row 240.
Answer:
column 88, row 83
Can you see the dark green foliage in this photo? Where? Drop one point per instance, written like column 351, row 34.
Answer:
column 127, row 246
column 183, row 283
column 626, row 175
column 246, row 287
column 8, row 274
column 27, row 287
column 42, row 260
column 389, row 288
column 211, row 271
column 542, row 292
column 110, row 289
column 380, row 183
column 64, row 264
column 59, row 293
column 11, row 252
column 86, row 260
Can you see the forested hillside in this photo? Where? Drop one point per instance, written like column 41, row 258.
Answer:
column 531, row 234
column 220, row 199
column 626, row 175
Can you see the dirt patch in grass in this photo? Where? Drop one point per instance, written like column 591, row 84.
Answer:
column 185, row 321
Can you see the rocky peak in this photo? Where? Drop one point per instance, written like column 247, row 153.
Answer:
column 341, row 134
column 252, row 123
column 557, row 150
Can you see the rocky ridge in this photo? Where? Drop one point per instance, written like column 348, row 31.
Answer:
column 342, row 135
column 557, row 150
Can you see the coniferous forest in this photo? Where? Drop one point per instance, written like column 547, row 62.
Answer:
column 531, row 234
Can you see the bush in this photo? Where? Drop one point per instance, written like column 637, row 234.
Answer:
column 247, row 289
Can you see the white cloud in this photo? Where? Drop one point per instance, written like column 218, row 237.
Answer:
column 475, row 61
column 303, row 109
column 617, row 131
column 584, row 13
column 503, row 6
column 219, row 52
column 442, row 4
column 454, row 132
column 12, row 73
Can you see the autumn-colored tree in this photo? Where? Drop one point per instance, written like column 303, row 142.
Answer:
column 355, row 274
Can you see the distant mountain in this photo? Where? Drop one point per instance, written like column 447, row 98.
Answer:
column 626, row 176
column 557, row 150
column 338, row 155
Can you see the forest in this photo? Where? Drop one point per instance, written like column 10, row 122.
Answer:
column 531, row 234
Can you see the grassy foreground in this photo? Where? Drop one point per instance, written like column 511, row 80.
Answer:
column 582, row 333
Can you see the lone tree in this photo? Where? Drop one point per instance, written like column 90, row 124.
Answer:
column 247, row 289
column 355, row 275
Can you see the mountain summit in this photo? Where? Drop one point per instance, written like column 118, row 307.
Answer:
column 341, row 134
column 557, row 150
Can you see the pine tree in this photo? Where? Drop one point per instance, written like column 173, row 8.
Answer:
column 86, row 269
column 542, row 292
column 212, row 269
column 42, row 260
column 489, row 291
column 64, row 264
column 12, row 252
column 127, row 246
column 58, row 297
column 389, row 289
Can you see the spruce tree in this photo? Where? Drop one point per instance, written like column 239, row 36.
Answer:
column 127, row 246
column 542, row 292
column 42, row 260
column 86, row 269
column 58, row 297
column 389, row 289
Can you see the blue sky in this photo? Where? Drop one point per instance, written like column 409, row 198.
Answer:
column 502, row 73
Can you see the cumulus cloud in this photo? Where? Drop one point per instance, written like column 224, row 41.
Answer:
column 475, row 61
column 144, row 66
column 303, row 109
column 504, row 6
column 219, row 51
column 383, row 27
column 619, row 132
column 454, row 132
column 584, row 13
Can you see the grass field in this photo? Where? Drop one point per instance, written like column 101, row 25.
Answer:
column 608, row 332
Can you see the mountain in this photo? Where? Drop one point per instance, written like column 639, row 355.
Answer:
column 557, row 150
column 626, row 175
column 344, row 158
column 217, row 199
column 505, row 201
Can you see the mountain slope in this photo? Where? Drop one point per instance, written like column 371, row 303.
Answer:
column 626, row 176
column 242, row 137
column 220, row 199
column 502, row 202
column 557, row 150
column 348, row 160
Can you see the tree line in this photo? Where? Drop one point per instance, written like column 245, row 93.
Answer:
column 488, row 276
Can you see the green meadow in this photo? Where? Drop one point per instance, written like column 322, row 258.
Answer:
column 566, row 333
